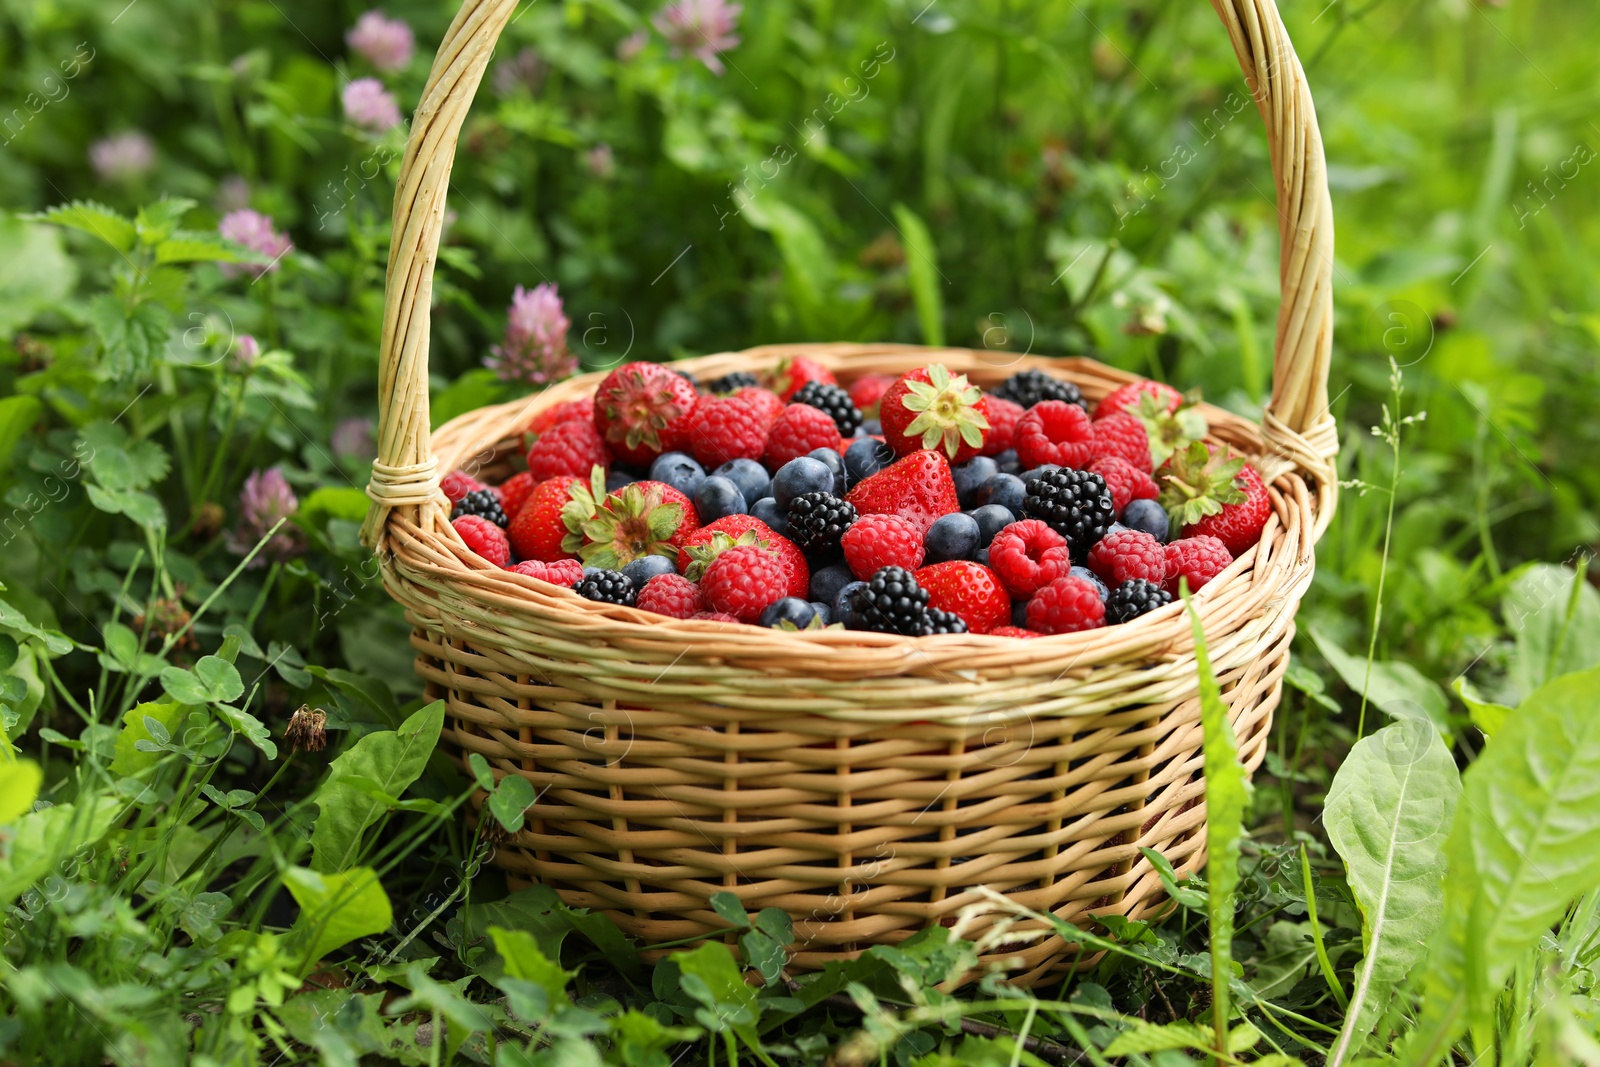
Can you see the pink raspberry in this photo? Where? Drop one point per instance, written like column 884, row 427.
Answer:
column 671, row 594
column 866, row 391
column 1066, row 606
column 1054, row 431
column 724, row 428
column 1197, row 559
column 1129, row 554
column 572, row 447
column 1126, row 482
column 875, row 541
column 1004, row 415
column 484, row 538
column 714, row 616
column 743, row 580
column 564, row 572
column 1123, row 436
column 800, row 429
column 457, row 484
column 1028, row 555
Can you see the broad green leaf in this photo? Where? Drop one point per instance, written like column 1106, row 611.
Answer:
column 1525, row 842
column 249, row 727
column 40, row 840
column 1388, row 814
column 19, row 788
column 476, row 388
column 1227, row 793
column 334, row 502
column 922, row 268
column 391, row 758
column 53, row 640
column 336, row 908
column 1148, row 1037
column 21, row 688
column 524, row 960
column 510, row 800
column 712, row 978
column 1398, row 689
column 35, row 273
column 1486, row 715
column 129, row 759
column 213, row 681
column 90, row 217
column 1554, row 616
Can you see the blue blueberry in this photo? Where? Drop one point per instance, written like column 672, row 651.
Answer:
column 982, row 557
column 971, row 474
column 827, row 581
column 834, row 462
column 645, row 568
column 1019, row 613
column 803, row 475
column 844, row 607
column 1008, row 462
column 750, row 476
column 1028, row 476
column 767, row 510
column 1090, row 576
column 991, row 518
column 790, row 609
column 680, row 471
column 866, row 457
column 1007, row 490
column 951, row 537
column 871, row 426
column 616, row 478
column 717, row 498
column 1148, row 516
column 824, row 612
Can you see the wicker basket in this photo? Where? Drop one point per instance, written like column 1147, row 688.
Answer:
column 864, row 783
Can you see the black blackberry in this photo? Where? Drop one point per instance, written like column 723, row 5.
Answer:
column 686, row 376
column 484, row 503
column 834, row 401
column 892, row 603
column 1133, row 598
column 939, row 621
column 817, row 521
column 732, row 383
column 1075, row 504
column 1029, row 387
column 607, row 587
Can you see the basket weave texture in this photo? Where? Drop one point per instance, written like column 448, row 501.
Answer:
column 867, row 784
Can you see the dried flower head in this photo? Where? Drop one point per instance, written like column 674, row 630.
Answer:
column 524, row 70
column 123, row 157
column 535, row 346
column 352, row 437
column 233, row 194
column 265, row 499
column 253, row 230
column 700, row 28
column 384, row 42
column 600, row 161
column 370, row 106
column 307, row 730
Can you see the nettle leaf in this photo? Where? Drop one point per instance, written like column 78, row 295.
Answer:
column 158, row 221
column 1525, row 842
column 393, row 759
column 1388, row 814
column 132, row 339
column 336, row 908
column 198, row 246
column 93, row 218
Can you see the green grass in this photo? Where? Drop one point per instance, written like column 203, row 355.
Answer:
column 1415, row 879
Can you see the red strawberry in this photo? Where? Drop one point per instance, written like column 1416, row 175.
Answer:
column 1012, row 631
column 916, row 487
column 1003, row 418
column 1028, row 555
column 514, row 491
column 932, row 408
column 581, row 408
column 1054, row 431
column 484, row 538
column 795, row 371
column 866, row 391
column 875, row 541
column 1128, row 554
column 642, row 410
column 968, row 589
column 562, row 572
column 1127, row 397
column 724, row 428
column 640, row 519
column 672, row 595
column 573, row 447
column 1197, row 560
column 715, row 538
column 743, row 580
column 765, row 401
column 1218, row 495
column 457, row 485
column 799, row 430
column 1123, row 436
column 1125, row 482
column 537, row 529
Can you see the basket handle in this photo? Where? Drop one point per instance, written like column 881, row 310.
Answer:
column 1297, row 422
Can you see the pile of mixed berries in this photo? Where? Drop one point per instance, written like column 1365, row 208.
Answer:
column 915, row 505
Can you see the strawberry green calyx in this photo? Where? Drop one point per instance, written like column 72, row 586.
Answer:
column 583, row 502
column 701, row 556
column 638, row 406
column 1170, row 431
column 634, row 521
column 946, row 411
column 1196, row 484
